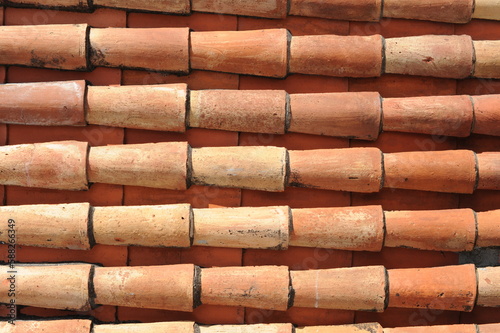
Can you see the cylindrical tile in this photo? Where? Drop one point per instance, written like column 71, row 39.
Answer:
column 361, row 10
column 162, row 327
column 159, row 165
column 276, row 9
column 438, row 56
column 351, row 115
column 461, row 328
column 488, row 328
column 263, row 287
column 436, row 115
column 58, row 46
column 156, row 49
column 257, row 52
column 487, row 114
column 55, row 165
column 452, row 171
column 258, row 111
column 63, row 226
column 351, row 169
column 435, row 230
column 259, row 168
column 488, row 288
column 489, row 171
column 344, row 56
column 442, row 288
column 347, row 228
column 256, row 328
column 451, row 11
column 353, row 288
column 159, row 108
column 59, row 326
column 355, row 328
column 487, row 9
column 242, row 227
column 64, row 286
column 164, row 6
column 168, row 287
column 153, row 226
column 487, row 64
column 46, row 104
column 488, row 228
column 76, row 5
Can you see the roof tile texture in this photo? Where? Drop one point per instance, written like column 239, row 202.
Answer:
column 389, row 86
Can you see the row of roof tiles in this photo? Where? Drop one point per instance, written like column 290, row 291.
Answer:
column 364, row 228
column 86, row 326
column 271, row 52
column 184, row 287
column 458, row 11
column 71, row 165
column 357, row 115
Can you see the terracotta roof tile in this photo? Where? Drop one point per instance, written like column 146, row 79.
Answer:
column 85, row 326
column 430, row 55
column 437, row 329
column 486, row 9
column 342, row 56
column 458, row 171
column 444, row 288
column 368, row 10
column 266, row 8
column 99, row 18
column 424, row 154
column 361, row 115
column 48, row 46
column 63, row 326
column 363, row 228
column 268, row 54
column 166, row 49
column 169, row 6
column 181, row 327
column 441, row 10
column 437, row 56
column 364, row 10
column 366, row 328
column 183, row 287
column 61, row 4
